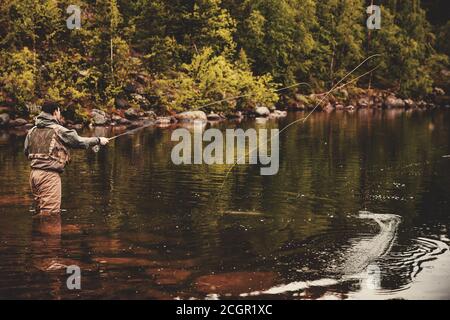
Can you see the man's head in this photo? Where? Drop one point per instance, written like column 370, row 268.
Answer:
column 52, row 108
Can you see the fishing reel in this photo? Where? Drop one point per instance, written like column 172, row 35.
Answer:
column 96, row 148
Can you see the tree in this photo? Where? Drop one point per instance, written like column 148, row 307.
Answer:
column 341, row 38
column 289, row 41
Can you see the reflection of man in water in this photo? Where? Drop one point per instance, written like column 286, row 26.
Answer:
column 46, row 145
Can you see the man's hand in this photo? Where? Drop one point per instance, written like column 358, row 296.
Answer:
column 104, row 141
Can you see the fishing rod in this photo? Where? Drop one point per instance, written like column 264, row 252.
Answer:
column 131, row 131
column 96, row 148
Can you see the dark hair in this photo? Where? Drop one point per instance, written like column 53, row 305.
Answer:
column 50, row 107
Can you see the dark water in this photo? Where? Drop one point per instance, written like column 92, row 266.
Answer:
column 140, row 227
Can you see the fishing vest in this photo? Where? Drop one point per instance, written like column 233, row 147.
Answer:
column 46, row 150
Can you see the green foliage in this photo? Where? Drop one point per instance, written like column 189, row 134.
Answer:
column 215, row 27
column 198, row 52
column 277, row 36
column 404, row 40
column 341, row 38
column 210, row 78
column 17, row 76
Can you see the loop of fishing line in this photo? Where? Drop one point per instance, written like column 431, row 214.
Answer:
column 303, row 120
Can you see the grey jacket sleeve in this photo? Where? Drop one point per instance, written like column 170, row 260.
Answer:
column 73, row 140
column 26, row 144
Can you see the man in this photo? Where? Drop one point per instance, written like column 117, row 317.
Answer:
column 46, row 145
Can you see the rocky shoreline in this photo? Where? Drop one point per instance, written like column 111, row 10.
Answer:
column 132, row 117
column 367, row 99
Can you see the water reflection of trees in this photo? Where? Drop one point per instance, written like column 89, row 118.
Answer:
column 330, row 167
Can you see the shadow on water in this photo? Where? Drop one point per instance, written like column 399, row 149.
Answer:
column 140, row 227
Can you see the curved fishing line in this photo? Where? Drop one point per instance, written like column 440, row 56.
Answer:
column 335, row 87
column 326, row 95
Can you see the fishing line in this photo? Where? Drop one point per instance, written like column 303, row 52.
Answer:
column 334, row 88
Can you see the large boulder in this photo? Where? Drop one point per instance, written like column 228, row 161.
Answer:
column 4, row 119
column 262, row 112
column 214, row 117
column 103, row 113
column 392, row 102
column 421, row 104
column 163, row 120
column 116, row 118
column 409, row 103
column 99, row 117
column 364, row 102
column 119, row 120
column 151, row 115
column 278, row 114
column 188, row 116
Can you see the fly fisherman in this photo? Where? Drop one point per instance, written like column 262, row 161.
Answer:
column 46, row 146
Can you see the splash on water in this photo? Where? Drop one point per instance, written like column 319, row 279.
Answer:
column 357, row 258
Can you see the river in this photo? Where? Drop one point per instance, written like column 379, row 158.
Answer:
column 140, row 227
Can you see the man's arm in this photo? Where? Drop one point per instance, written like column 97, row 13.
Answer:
column 73, row 140
column 26, row 145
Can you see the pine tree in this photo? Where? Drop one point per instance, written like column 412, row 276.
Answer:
column 276, row 36
column 341, row 38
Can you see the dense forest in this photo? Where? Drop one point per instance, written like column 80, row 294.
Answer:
column 174, row 55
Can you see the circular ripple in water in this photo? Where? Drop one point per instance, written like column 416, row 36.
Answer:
column 401, row 266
